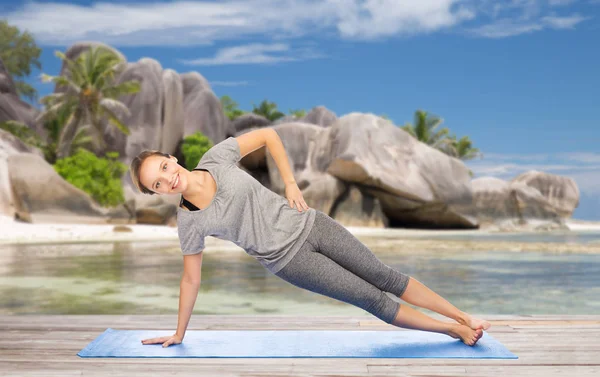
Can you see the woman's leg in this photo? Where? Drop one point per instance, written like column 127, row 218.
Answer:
column 317, row 273
column 420, row 295
column 336, row 242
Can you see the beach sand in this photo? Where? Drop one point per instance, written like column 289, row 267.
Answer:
column 15, row 232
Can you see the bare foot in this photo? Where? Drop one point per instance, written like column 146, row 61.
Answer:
column 474, row 323
column 466, row 334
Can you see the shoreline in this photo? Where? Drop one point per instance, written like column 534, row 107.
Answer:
column 13, row 232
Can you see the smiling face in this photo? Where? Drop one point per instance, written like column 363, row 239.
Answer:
column 163, row 175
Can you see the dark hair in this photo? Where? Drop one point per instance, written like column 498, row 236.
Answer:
column 136, row 164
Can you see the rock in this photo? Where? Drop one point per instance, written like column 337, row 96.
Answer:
column 309, row 156
column 356, row 208
column 173, row 116
column 511, row 205
column 146, row 111
column 167, row 108
column 12, row 107
column 285, row 119
column 248, row 121
column 46, row 197
column 151, row 209
column 7, row 85
column 561, row 192
column 320, row 116
column 10, row 145
column 202, row 108
column 416, row 185
column 122, row 229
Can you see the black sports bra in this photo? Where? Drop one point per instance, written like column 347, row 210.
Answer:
column 187, row 203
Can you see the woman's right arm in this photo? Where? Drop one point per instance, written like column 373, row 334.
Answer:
column 189, row 286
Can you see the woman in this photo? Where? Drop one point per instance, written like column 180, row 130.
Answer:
column 299, row 244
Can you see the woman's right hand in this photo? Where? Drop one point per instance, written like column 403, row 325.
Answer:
column 165, row 340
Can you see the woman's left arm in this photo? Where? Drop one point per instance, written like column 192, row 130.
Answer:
column 253, row 140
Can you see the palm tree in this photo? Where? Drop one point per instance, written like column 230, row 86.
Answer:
column 268, row 110
column 90, row 96
column 230, row 108
column 50, row 147
column 463, row 148
column 424, row 130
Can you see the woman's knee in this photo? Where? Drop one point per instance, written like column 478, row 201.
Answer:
column 384, row 308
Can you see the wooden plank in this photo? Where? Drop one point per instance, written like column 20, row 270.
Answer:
column 42, row 345
column 329, row 367
column 525, row 354
column 487, row 370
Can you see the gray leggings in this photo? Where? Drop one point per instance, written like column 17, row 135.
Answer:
column 336, row 264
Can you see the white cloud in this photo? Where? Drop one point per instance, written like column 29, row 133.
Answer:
column 379, row 18
column 248, row 54
column 563, row 22
column 583, row 157
column 192, row 23
column 202, row 22
column 506, row 28
column 559, row 3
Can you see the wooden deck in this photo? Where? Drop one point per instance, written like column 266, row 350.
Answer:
column 43, row 345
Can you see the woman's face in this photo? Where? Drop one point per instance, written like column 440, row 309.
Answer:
column 163, row 175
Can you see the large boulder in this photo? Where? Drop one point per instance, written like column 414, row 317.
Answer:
column 10, row 145
column 248, row 121
column 418, row 186
column 11, row 106
column 561, row 192
column 309, row 155
column 7, row 85
column 202, row 109
column 151, row 209
column 357, row 208
column 284, row 119
column 168, row 107
column 41, row 195
column 508, row 205
column 146, row 111
column 309, row 158
column 173, row 115
column 321, row 116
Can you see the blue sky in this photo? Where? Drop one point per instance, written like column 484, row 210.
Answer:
column 521, row 78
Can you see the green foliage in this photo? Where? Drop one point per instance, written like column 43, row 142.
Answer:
column 230, row 108
column 463, row 148
column 53, row 127
column 300, row 113
column 19, row 52
column 193, row 148
column 23, row 133
column 424, row 130
column 89, row 97
column 99, row 177
column 268, row 110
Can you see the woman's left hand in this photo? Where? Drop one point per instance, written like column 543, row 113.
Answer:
column 294, row 197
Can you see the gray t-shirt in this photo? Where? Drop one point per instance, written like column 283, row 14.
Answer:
column 244, row 212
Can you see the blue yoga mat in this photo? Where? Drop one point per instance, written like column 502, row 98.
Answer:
column 295, row 344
